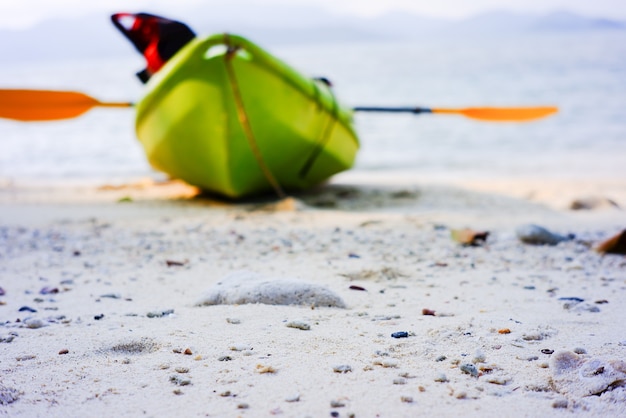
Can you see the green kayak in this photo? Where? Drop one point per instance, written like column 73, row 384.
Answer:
column 226, row 116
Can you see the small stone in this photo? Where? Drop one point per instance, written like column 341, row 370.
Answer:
column 33, row 323
column 224, row 358
column 2, row 292
column 441, row 358
column 499, row 379
column 293, row 398
column 342, row 368
column 298, row 325
column 8, row 395
column 177, row 380
column 182, row 370
column 335, row 403
column 441, row 378
column 428, row 312
column 593, row 202
column 233, row 321
column 64, row 351
column 240, row 347
column 461, row 395
column 470, row 369
column 243, row 405
column 160, row 314
column 547, row 351
column 177, row 392
column 98, row 317
column 504, row 331
column 399, row 381
column 559, row 403
column 188, row 351
column 406, row 399
column 579, row 350
column 27, row 309
column 265, row 369
column 111, row 296
column 387, row 363
column 48, row 291
column 537, row 235
column 479, row 357
column 400, row 334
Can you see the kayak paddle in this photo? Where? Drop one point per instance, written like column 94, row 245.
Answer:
column 46, row 105
column 494, row 114
column 42, row 105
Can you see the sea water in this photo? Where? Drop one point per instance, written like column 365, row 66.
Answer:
column 584, row 74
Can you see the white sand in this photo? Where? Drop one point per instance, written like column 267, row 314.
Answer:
column 392, row 239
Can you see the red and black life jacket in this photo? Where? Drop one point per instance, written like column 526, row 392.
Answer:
column 157, row 38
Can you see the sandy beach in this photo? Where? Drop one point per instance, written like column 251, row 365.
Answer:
column 144, row 300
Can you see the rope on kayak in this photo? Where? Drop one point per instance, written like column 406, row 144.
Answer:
column 326, row 131
column 245, row 121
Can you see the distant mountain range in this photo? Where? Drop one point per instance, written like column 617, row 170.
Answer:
column 95, row 35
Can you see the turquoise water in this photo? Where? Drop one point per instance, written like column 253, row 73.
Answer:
column 585, row 75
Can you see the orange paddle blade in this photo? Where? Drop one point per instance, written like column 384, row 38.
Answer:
column 502, row 114
column 43, row 105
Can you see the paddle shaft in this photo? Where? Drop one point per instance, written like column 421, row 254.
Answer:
column 392, row 109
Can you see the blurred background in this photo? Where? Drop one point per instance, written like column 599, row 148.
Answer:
column 571, row 54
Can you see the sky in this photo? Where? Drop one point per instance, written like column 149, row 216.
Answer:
column 16, row 14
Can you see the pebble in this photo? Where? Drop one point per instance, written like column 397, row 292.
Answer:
column 2, row 292
column 293, row 398
column 499, row 379
column 579, row 350
column 160, row 314
column 233, row 321
column 111, row 296
column 547, row 351
column 559, row 403
column 298, row 325
column 243, row 405
column 48, row 291
column 64, row 351
column 399, row 381
column 240, row 347
column 470, row 369
column 479, row 357
column 537, row 235
column 593, row 202
column 27, row 309
column 442, row 378
column 387, row 363
column 177, row 380
column 406, row 399
column 98, row 317
column 400, row 334
column 181, row 370
column 342, row 368
column 33, row 323
column 335, row 403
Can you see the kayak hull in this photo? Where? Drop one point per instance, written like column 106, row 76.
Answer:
column 226, row 116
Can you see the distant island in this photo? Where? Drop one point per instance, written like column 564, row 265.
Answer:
column 94, row 35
